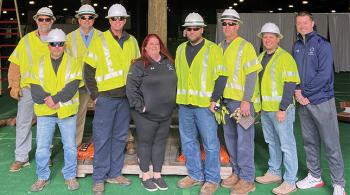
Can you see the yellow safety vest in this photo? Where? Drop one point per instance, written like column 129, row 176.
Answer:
column 76, row 47
column 112, row 62
column 45, row 76
column 280, row 69
column 27, row 53
column 196, row 82
column 241, row 60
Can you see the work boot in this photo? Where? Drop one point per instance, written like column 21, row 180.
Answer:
column 98, row 188
column 242, row 188
column 230, row 181
column 130, row 148
column 39, row 185
column 268, row 178
column 284, row 188
column 17, row 165
column 120, row 180
column 208, row 188
column 72, row 184
column 188, row 182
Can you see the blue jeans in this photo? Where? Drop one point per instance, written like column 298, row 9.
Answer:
column 44, row 135
column 240, row 144
column 281, row 141
column 194, row 121
column 109, row 134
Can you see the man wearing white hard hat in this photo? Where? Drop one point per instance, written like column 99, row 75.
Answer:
column 78, row 42
column 105, row 71
column 241, row 95
column 201, row 81
column 278, row 80
column 54, row 86
column 25, row 55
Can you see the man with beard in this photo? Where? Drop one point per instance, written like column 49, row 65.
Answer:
column 201, row 82
column 26, row 55
column 77, row 44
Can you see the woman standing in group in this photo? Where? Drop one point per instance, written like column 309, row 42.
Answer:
column 151, row 91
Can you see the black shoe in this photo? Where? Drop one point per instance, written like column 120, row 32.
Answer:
column 149, row 185
column 160, row 183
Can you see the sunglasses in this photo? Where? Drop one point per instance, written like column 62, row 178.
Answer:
column 44, row 19
column 192, row 29
column 228, row 24
column 87, row 18
column 118, row 18
column 56, row 44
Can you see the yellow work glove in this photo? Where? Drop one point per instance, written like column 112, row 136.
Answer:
column 16, row 93
column 220, row 115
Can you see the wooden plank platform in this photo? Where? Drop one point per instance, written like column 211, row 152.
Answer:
column 170, row 167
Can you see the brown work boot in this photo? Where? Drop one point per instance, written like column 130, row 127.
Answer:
column 72, row 184
column 130, row 148
column 17, row 165
column 208, row 188
column 188, row 182
column 230, row 181
column 242, row 188
column 284, row 188
column 98, row 188
column 39, row 185
column 120, row 180
column 268, row 178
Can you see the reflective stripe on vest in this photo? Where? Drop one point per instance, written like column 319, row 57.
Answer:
column 274, row 96
column 30, row 57
column 74, row 43
column 107, row 54
column 233, row 84
column 202, row 92
column 70, row 102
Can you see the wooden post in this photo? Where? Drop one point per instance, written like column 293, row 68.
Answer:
column 157, row 18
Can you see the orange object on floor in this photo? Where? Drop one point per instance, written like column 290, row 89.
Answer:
column 86, row 151
column 224, row 157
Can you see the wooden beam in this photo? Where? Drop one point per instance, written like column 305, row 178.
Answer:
column 157, row 18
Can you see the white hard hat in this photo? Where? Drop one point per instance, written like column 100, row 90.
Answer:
column 230, row 14
column 56, row 35
column 194, row 19
column 117, row 10
column 270, row 28
column 44, row 11
column 86, row 9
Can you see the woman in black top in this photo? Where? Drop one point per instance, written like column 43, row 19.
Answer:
column 151, row 91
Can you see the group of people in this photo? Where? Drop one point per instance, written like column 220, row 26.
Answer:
column 54, row 76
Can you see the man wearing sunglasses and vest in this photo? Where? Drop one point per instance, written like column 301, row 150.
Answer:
column 201, row 81
column 105, row 71
column 54, row 86
column 26, row 55
column 78, row 42
column 241, row 92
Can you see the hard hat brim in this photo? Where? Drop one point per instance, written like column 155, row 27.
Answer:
column 229, row 18
column 260, row 34
column 194, row 25
column 36, row 16
column 85, row 13
column 127, row 16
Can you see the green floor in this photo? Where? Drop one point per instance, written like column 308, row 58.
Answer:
column 20, row 182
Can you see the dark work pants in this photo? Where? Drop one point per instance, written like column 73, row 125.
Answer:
column 109, row 134
column 151, row 141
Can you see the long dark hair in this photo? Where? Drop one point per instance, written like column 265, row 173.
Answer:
column 145, row 57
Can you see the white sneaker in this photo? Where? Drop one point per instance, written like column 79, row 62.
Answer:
column 310, row 182
column 338, row 190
